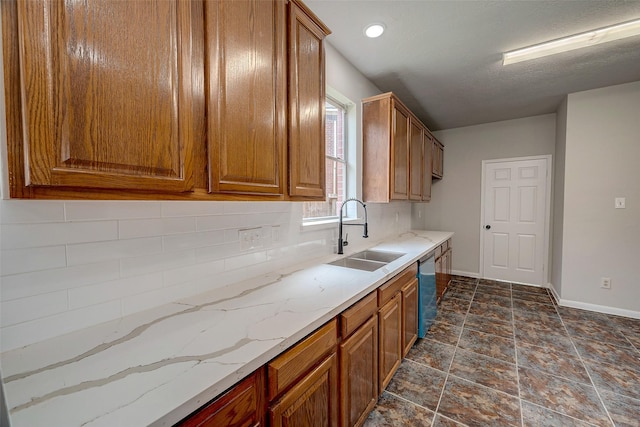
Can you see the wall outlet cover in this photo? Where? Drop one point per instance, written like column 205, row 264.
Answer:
column 620, row 203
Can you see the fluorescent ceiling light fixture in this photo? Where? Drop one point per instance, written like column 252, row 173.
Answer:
column 374, row 30
column 578, row 41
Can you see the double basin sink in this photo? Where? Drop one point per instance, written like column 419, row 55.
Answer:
column 369, row 260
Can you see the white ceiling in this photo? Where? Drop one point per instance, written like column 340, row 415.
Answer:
column 443, row 58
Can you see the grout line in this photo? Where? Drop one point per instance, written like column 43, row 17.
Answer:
column 515, row 351
column 455, row 350
column 584, row 365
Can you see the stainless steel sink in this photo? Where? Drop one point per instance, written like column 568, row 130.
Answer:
column 369, row 260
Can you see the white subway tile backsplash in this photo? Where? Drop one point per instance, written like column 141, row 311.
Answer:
column 45, row 281
column 67, row 265
column 133, row 228
column 97, row 210
column 85, row 253
column 30, row 211
column 48, row 327
column 192, row 240
column 30, row 308
column 33, row 259
column 50, row 234
column 191, row 208
column 113, row 290
column 156, row 262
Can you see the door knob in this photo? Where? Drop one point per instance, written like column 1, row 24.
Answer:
column 488, row 227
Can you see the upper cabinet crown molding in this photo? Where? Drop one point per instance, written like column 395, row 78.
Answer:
column 211, row 100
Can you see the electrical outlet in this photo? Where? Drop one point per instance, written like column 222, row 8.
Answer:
column 620, row 203
column 605, row 283
column 250, row 238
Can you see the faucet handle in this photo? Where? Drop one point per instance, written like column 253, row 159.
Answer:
column 344, row 242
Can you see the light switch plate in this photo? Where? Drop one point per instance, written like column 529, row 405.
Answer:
column 621, row 203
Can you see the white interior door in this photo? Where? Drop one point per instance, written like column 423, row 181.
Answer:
column 515, row 211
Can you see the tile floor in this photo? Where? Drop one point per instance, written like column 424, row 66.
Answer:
column 503, row 354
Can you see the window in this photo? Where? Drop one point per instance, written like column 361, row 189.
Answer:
column 336, row 165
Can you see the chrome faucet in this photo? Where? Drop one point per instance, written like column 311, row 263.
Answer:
column 342, row 243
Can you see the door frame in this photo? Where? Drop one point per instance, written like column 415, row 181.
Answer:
column 547, row 219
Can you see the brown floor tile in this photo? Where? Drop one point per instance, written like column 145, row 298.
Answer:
column 494, row 290
column 432, row 353
column 568, row 313
column 393, row 411
column 490, row 311
column 489, row 326
column 444, row 332
column 529, row 288
column 486, row 371
column 418, row 383
column 586, row 329
column 534, row 317
column 602, row 352
column 525, row 305
column 466, row 279
column 450, row 317
column 488, row 345
column 624, row 411
column 466, row 286
column 494, row 283
column 557, row 340
column 455, row 304
column 441, row 421
column 536, row 416
column 528, row 296
column 570, row 398
column 461, row 293
column 617, row 379
column 552, row 362
column 493, row 299
column 476, row 405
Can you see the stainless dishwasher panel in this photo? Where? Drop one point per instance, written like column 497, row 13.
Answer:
column 426, row 293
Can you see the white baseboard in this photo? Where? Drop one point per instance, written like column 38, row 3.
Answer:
column 593, row 307
column 465, row 273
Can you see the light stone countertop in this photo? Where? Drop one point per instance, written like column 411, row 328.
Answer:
column 157, row 366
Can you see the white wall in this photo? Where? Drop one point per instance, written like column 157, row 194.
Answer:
column 557, row 215
column 66, row 265
column 602, row 152
column 455, row 204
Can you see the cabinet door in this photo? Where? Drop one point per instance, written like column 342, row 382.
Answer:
column 427, row 167
column 409, row 315
column 399, row 153
column 415, row 161
column 313, row 401
column 438, row 157
column 107, row 100
column 390, row 342
column 440, row 277
column 246, row 96
column 306, row 104
column 243, row 405
column 359, row 374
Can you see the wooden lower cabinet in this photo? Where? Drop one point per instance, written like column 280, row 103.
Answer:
column 390, row 351
column 443, row 268
column 313, row 401
column 409, row 315
column 242, row 406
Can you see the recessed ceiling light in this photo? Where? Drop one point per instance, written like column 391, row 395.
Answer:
column 374, row 30
column 590, row 38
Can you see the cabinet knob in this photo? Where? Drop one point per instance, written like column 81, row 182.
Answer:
column 488, row 227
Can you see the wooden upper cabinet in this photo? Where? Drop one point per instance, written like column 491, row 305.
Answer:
column 393, row 151
column 306, row 35
column 438, row 159
column 246, row 96
column 416, row 154
column 427, row 166
column 106, row 94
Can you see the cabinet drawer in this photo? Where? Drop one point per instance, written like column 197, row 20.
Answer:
column 438, row 251
column 357, row 314
column 297, row 361
column 243, row 405
column 393, row 286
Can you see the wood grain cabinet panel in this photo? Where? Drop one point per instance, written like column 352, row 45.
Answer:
column 246, row 96
column 409, row 315
column 427, row 166
column 313, row 401
column 359, row 373
column 390, row 341
column 416, row 154
column 107, row 102
column 306, row 103
column 244, row 405
column 438, row 159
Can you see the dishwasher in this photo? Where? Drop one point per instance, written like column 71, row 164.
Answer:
column 426, row 293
